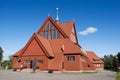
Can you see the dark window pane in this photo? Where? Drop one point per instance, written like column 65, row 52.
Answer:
column 58, row 35
column 50, row 32
column 54, row 35
column 50, row 26
column 40, row 61
column 47, row 27
column 47, row 35
column 71, row 58
column 51, row 35
column 27, row 61
column 42, row 34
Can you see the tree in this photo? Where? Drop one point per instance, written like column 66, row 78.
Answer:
column 111, row 62
column 10, row 57
column 118, row 56
column 107, row 62
column 10, row 62
column 1, row 54
column 114, row 63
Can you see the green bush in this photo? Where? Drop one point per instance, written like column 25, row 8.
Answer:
column 9, row 66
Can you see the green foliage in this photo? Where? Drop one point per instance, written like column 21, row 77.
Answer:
column 6, row 64
column 111, row 62
column 10, row 57
column 89, row 72
column 1, row 54
column 118, row 55
column 10, row 66
column 108, row 60
column 10, row 62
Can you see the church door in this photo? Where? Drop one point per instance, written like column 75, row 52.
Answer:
column 62, row 65
column 32, row 64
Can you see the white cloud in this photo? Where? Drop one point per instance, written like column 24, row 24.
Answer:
column 89, row 30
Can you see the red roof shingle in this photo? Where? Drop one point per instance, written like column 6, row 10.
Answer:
column 67, row 27
column 93, row 57
column 69, row 46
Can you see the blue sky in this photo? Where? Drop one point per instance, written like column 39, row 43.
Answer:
column 97, row 22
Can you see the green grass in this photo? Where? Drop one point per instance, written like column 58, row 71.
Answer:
column 118, row 76
column 88, row 72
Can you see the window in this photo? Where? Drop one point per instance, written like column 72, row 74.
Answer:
column 42, row 34
column 51, row 36
column 47, row 27
column 27, row 61
column 57, row 34
column 50, row 32
column 97, row 65
column 40, row 61
column 47, row 36
column 50, row 26
column 71, row 58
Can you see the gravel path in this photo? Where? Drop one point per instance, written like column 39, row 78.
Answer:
column 10, row 75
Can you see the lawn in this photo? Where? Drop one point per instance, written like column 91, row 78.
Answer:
column 118, row 76
column 89, row 72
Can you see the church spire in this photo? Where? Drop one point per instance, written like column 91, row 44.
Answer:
column 57, row 18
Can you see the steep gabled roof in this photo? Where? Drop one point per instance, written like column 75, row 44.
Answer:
column 93, row 57
column 43, row 43
column 46, row 45
column 53, row 22
column 69, row 46
column 18, row 53
column 67, row 28
column 50, row 47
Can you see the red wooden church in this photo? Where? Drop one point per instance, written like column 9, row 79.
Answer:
column 54, row 47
